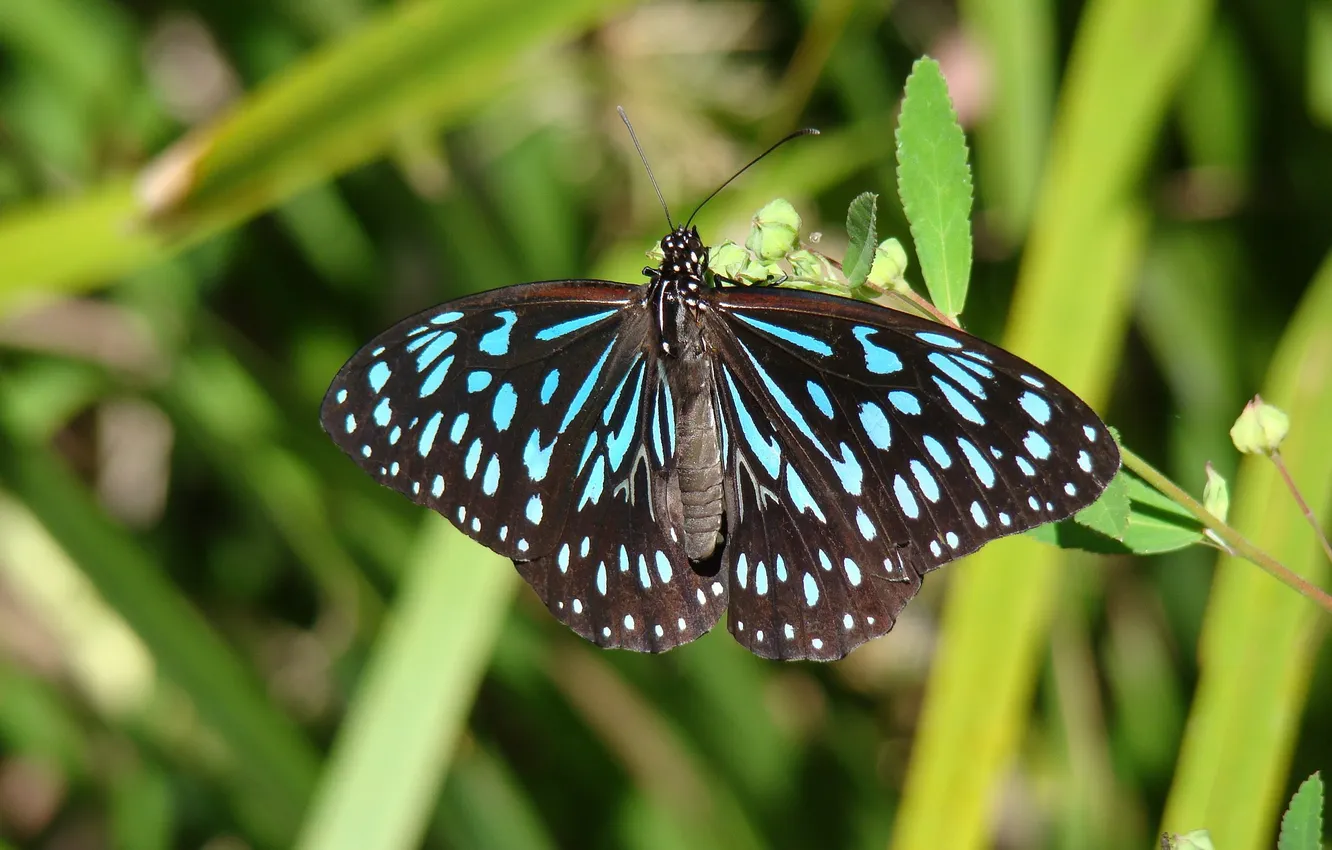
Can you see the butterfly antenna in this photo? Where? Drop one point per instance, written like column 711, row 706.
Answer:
column 808, row 131
column 648, row 168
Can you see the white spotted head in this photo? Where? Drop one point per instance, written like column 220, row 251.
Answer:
column 684, row 259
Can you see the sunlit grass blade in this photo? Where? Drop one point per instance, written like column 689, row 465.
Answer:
column 425, row 63
column 1018, row 38
column 416, row 64
column 1068, row 316
column 403, row 726
column 1259, row 640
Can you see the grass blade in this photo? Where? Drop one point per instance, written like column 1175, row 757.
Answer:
column 1086, row 230
column 399, row 737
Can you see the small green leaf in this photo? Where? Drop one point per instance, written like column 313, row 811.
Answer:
column 860, row 221
column 1130, row 517
column 1157, row 524
column 1109, row 514
column 934, row 181
column 1100, row 527
column 1302, row 824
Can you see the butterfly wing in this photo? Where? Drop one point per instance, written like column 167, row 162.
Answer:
column 864, row 447
column 537, row 419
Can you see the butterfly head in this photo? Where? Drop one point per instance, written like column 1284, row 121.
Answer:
column 684, row 260
column 676, row 284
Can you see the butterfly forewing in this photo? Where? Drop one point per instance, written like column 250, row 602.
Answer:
column 865, row 447
column 537, row 419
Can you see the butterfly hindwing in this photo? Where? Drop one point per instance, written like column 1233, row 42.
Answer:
column 537, row 419
column 621, row 578
column 865, row 447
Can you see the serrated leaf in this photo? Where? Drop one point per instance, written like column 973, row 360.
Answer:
column 1302, row 824
column 860, row 230
column 934, row 182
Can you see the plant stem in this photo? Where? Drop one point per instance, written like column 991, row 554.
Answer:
column 1237, row 542
column 1275, row 455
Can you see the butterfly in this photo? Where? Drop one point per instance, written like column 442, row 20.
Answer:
column 651, row 456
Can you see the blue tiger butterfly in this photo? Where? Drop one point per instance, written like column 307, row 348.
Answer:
column 651, row 456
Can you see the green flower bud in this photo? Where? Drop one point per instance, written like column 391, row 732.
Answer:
column 1216, row 495
column 1260, row 428
column 806, row 265
column 775, row 231
column 655, row 254
column 888, row 269
column 728, row 260
column 760, row 272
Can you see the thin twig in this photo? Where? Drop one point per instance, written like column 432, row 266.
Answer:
column 1299, row 500
column 1237, row 542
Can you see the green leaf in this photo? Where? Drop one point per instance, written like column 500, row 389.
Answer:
column 1129, row 517
column 860, row 224
column 1157, row 524
column 1110, row 513
column 934, row 181
column 1302, row 824
column 1100, row 527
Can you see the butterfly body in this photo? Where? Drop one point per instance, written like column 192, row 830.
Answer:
column 679, row 287
column 654, row 456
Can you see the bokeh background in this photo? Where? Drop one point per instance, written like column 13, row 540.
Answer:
column 216, row 632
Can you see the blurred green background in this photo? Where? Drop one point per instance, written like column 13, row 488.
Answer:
column 217, row 632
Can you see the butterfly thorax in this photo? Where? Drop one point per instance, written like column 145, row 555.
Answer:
column 678, row 289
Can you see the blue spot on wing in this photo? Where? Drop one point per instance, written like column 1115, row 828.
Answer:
column 959, row 402
column 437, row 346
column 580, row 398
column 617, row 445
column 878, row 359
column 436, row 377
column 765, row 451
column 798, row 338
column 536, row 458
column 876, row 425
column 379, row 375
column 506, row 404
column 496, row 342
column 568, row 327
column 549, row 385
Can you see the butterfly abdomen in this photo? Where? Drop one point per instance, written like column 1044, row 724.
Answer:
column 698, row 459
